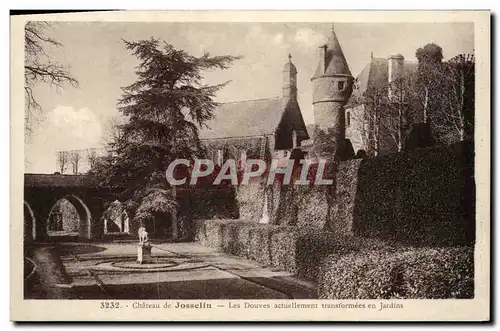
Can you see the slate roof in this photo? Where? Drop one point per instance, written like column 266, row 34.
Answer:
column 375, row 73
column 335, row 62
column 290, row 67
column 244, row 119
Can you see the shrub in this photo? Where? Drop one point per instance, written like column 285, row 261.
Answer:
column 412, row 273
column 258, row 244
column 283, row 242
column 313, row 246
column 283, row 247
column 312, row 207
column 270, row 245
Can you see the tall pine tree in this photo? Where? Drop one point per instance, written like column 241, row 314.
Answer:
column 164, row 110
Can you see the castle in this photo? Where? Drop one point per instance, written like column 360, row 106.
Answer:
column 258, row 129
column 377, row 74
column 273, row 128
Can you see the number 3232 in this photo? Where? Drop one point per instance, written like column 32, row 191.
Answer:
column 109, row 305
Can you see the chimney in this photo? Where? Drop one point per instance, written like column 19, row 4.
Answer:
column 395, row 67
column 322, row 58
column 395, row 72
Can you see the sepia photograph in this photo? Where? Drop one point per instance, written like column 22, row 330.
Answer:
column 201, row 165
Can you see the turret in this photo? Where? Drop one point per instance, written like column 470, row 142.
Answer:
column 332, row 87
column 289, row 81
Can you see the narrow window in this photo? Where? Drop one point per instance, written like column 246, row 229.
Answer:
column 243, row 160
column 341, row 86
column 348, row 119
column 219, row 157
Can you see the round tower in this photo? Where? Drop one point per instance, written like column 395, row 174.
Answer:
column 332, row 87
column 289, row 81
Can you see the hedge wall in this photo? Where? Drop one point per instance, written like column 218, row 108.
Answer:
column 250, row 199
column 347, row 267
column 412, row 273
column 283, row 247
column 423, row 197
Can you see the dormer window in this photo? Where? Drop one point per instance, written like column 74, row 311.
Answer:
column 341, row 86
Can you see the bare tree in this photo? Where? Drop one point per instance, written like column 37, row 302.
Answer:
column 369, row 119
column 62, row 161
column 91, row 157
column 39, row 67
column 112, row 132
column 456, row 116
column 400, row 112
column 111, row 129
column 75, row 158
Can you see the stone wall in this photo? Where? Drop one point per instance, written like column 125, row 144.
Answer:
column 354, row 131
column 419, row 197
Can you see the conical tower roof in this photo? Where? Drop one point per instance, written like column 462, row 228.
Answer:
column 335, row 62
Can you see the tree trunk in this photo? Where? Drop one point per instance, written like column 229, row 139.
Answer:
column 376, row 126
column 461, row 108
column 175, row 225
column 426, row 104
column 400, row 126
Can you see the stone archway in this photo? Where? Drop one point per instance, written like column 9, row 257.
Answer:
column 29, row 223
column 84, row 224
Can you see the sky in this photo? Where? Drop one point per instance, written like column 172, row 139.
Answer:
column 94, row 52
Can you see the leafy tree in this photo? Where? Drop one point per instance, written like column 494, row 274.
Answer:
column 40, row 68
column 430, row 59
column 164, row 109
column 445, row 90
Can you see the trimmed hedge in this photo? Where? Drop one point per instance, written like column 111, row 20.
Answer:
column 424, row 197
column 312, row 247
column 411, row 273
column 282, row 247
column 251, row 240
